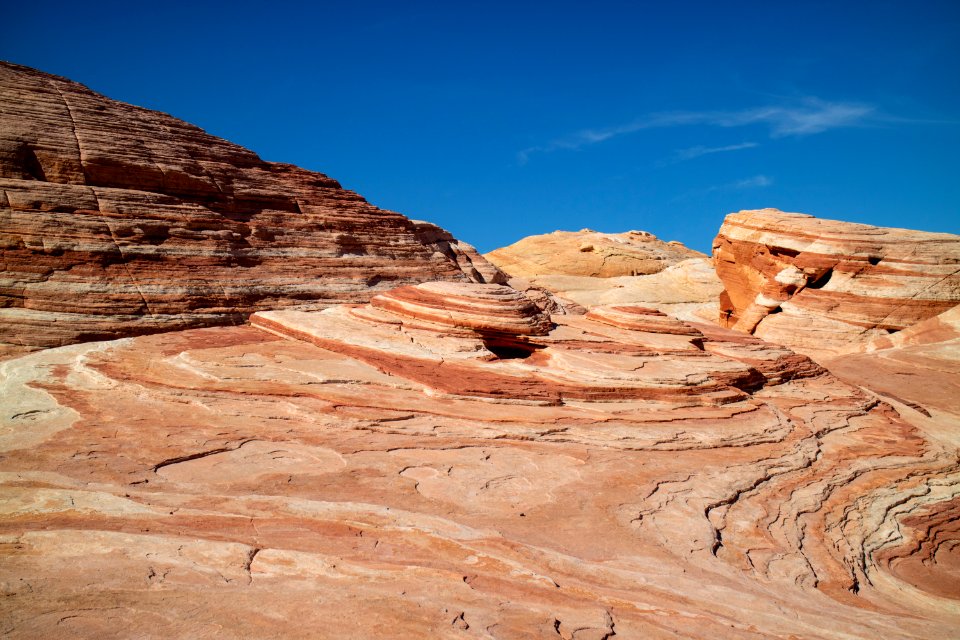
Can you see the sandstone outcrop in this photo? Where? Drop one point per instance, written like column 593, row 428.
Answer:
column 918, row 371
column 590, row 253
column 118, row 221
column 447, row 461
column 826, row 287
column 918, row 367
column 632, row 268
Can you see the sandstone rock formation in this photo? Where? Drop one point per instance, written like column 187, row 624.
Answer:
column 918, row 371
column 632, row 268
column 918, row 367
column 826, row 287
column 118, row 221
column 447, row 461
column 590, row 253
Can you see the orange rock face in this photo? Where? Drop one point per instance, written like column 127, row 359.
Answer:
column 826, row 287
column 118, row 221
column 448, row 462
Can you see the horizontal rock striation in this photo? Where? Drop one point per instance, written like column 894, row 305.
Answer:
column 918, row 367
column 381, row 471
column 826, row 287
column 486, row 341
column 117, row 221
column 484, row 309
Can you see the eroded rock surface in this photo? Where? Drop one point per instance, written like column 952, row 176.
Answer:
column 632, row 268
column 118, row 221
column 919, row 367
column 448, row 462
column 826, row 287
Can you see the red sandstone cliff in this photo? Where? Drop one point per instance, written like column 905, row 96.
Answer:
column 117, row 220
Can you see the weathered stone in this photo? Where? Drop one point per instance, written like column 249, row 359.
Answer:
column 633, row 268
column 590, row 253
column 117, row 221
column 918, row 367
column 825, row 287
column 386, row 473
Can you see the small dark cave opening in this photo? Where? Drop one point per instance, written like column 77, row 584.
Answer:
column 783, row 252
column 30, row 164
column 511, row 350
column 821, row 281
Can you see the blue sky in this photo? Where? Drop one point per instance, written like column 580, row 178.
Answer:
column 499, row 121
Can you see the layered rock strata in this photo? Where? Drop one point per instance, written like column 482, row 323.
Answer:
column 447, row 462
column 117, row 221
column 826, row 287
column 632, row 268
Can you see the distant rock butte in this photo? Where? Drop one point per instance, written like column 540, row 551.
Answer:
column 825, row 287
column 447, row 461
column 590, row 253
column 117, row 221
column 632, row 268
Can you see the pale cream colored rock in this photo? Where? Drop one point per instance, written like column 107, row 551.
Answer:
column 592, row 269
column 688, row 289
column 589, row 253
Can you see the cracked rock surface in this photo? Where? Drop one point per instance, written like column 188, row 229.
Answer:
column 448, row 462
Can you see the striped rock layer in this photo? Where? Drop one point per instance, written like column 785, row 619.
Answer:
column 117, row 221
column 826, row 287
column 388, row 471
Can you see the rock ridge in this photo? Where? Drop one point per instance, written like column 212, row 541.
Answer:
column 117, row 220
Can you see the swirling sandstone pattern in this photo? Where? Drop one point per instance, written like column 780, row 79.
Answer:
column 118, row 221
column 825, row 287
column 395, row 471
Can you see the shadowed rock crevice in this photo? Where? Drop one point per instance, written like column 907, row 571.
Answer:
column 510, row 350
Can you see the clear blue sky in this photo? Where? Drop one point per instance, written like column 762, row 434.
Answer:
column 498, row 121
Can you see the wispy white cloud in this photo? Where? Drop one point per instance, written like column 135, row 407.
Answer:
column 754, row 182
column 695, row 152
column 808, row 117
column 747, row 183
